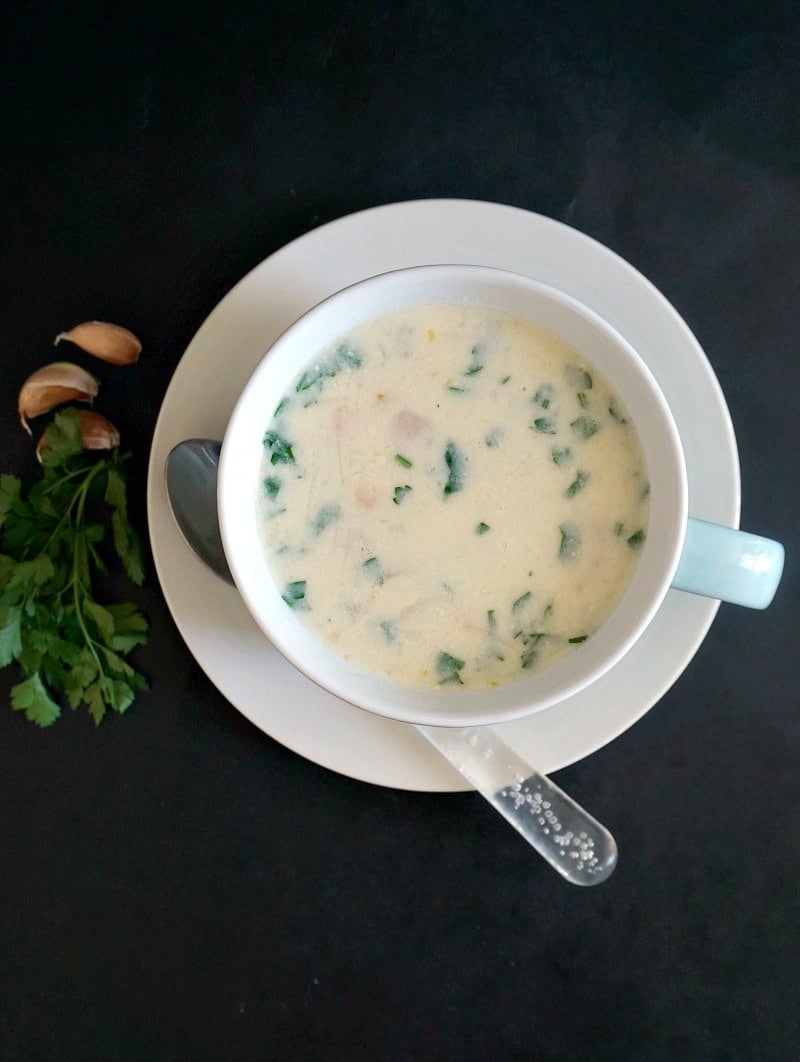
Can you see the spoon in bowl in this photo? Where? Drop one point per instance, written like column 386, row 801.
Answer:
column 558, row 828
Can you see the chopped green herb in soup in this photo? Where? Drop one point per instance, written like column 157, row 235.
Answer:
column 461, row 499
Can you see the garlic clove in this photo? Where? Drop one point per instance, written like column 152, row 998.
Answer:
column 52, row 386
column 97, row 433
column 103, row 340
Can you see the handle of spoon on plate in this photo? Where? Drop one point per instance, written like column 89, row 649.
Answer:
column 574, row 843
column 558, row 828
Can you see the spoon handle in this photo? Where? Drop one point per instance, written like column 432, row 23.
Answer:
column 571, row 841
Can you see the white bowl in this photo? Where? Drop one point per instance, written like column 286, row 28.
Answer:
column 581, row 328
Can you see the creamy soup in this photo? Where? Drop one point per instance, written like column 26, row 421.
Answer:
column 452, row 497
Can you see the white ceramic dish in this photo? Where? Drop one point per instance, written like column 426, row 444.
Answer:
column 240, row 475
column 214, row 621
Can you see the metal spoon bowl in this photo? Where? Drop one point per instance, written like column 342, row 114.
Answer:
column 558, row 828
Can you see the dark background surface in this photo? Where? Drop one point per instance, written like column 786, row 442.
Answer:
column 175, row 884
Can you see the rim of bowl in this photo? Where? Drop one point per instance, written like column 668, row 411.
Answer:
column 621, row 366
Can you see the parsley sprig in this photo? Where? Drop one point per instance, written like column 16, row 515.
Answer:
column 65, row 643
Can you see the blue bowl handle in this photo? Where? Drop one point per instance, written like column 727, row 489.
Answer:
column 730, row 565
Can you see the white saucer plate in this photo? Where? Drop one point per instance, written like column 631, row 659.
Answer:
column 210, row 616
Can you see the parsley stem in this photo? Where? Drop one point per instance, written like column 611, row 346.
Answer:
column 79, row 496
column 80, row 563
column 64, row 479
column 84, row 489
column 77, row 585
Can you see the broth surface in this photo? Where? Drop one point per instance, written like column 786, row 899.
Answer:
column 452, row 496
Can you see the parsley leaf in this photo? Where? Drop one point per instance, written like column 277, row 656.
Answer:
column 455, row 469
column 10, row 634
column 10, row 487
column 448, row 669
column 66, row 643
column 126, row 541
column 32, row 698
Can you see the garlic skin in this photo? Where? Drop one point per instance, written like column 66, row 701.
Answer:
column 97, row 433
column 110, row 342
column 52, row 386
